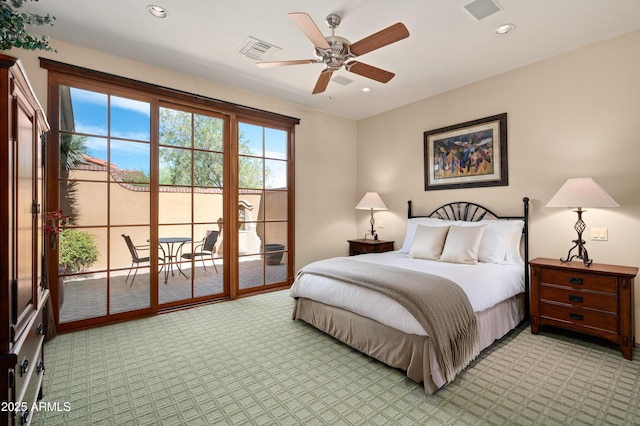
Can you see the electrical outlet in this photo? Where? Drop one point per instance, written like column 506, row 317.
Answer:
column 380, row 223
column 599, row 234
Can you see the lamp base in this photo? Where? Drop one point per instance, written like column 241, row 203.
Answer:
column 582, row 253
column 579, row 243
column 373, row 231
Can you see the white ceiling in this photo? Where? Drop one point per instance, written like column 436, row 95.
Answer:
column 447, row 47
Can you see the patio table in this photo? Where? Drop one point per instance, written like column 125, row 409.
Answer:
column 173, row 246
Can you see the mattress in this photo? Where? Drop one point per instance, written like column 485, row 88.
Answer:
column 485, row 284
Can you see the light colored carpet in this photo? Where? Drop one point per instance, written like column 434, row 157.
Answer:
column 246, row 362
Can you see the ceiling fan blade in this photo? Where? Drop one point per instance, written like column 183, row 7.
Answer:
column 310, row 29
column 382, row 38
column 369, row 71
column 323, row 82
column 283, row 63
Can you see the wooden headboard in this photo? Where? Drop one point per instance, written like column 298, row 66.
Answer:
column 472, row 212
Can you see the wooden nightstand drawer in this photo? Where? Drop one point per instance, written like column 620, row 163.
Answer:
column 369, row 246
column 584, row 299
column 578, row 280
column 575, row 317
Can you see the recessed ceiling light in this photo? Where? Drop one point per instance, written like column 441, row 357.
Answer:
column 366, row 89
column 505, row 29
column 157, row 11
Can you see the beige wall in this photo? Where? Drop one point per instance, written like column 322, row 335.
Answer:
column 574, row 115
column 571, row 116
column 325, row 147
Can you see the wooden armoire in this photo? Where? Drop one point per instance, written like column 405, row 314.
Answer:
column 23, row 289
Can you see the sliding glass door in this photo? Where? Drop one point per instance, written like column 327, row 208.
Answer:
column 168, row 200
column 191, row 164
column 263, row 195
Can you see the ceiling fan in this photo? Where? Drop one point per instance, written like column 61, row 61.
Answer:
column 337, row 52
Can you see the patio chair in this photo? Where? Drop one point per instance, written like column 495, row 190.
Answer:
column 206, row 247
column 136, row 259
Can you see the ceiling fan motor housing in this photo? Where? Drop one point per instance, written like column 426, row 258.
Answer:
column 336, row 56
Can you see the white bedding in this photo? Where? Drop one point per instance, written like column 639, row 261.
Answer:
column 485, row 284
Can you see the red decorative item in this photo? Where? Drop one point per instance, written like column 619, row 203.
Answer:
column 53, row 225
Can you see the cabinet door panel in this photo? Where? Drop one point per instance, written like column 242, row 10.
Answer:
column 24, row 217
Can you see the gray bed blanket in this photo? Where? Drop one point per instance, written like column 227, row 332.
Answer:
column 437, row 303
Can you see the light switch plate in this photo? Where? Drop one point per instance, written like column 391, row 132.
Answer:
column 599, row 234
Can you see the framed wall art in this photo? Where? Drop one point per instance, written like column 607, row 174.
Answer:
column 467, row 155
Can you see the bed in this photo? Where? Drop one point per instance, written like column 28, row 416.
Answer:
column 459, row 282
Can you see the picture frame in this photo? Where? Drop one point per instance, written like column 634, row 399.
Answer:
column 467, row 155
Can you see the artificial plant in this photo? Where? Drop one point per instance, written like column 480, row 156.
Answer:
column 13, row 23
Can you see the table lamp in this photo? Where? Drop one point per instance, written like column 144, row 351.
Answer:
column 579, row 193
column 371, row 201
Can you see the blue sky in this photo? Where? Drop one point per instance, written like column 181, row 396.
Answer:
column 131, row 120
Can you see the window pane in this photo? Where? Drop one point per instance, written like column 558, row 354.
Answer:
column 275, row 233
column 249, row 241
column 82, row 153
column 208, row 133
column 250, row 139
column 275, row 205
column 207, row 270
column 208, row 169
column 89, row 203
column 207, row 206
column 131, row 161
column 175, row 241
column 175, row 128
column 174, row 205
column 250, row 172
column 130, row 274
column 175, row 166
column 276, row 267
column 83, row 250
column 130, row 119
column 275, row 144
column 130, row 204
column 275, row 174
column 83, row 111
column 251, row 272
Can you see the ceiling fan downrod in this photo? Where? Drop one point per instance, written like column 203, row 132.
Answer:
column 335, row 57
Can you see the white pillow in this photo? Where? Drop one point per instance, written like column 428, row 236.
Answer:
column 513, row 244
column 428, row 242
column 501, row 240
column 412, row 225
column 462, row 244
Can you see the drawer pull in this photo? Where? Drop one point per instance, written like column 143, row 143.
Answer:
column 576, row 316
column 575, row 280
column 24, row 367
column 40, row 329
column 575, row 298
column 40, row 368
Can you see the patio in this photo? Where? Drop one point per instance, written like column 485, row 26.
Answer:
column 87, row 298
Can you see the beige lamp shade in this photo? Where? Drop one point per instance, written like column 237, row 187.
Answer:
column 371, row 201
column 581, row 192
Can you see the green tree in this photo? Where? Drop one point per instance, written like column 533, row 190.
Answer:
column 180, row 131
column 72, row 149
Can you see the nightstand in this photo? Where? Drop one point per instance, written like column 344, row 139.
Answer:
column 369, row 246
column 595, row 300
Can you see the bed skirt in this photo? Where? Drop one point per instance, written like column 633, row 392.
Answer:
column 409, row 352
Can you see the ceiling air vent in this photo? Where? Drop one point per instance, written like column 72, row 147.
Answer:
column 341, row 80
column 480, row 9
column 257, row 50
